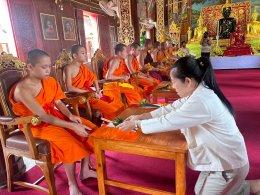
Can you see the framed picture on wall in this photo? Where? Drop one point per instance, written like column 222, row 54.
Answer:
column 68, row 25
column 49, row 27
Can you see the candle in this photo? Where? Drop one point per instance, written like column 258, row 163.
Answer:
column 218, row 29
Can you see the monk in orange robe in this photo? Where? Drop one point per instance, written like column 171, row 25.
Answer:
column 116, row 69
column 38, row 94
column 80, row 79
column 147, row 82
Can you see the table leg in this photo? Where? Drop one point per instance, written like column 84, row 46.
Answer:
column 180, row 174
column 101, row 168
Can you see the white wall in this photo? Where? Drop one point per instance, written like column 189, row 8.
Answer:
column 5, row 22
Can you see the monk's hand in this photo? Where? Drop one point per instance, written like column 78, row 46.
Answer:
column 127, row 125
column 75, row 119
column 80, row 129
column 98, row 95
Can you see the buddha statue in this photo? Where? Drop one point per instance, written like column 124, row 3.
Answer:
column 227, row 25
column 199, row 30
column 253, row 27
column 238, row 45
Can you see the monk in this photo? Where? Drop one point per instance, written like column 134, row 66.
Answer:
column 171, row 48
column 116, row 69
column 147, row 82
column 79, row 78
column 38, row 94
column 145, row 58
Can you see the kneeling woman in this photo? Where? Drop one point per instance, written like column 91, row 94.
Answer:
column 206, row 118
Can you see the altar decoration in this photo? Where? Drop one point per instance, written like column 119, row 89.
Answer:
column 212, row 14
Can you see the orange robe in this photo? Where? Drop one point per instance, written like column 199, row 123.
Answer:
column 145, row 83
column 161, row 56
column 133, row 96
column 66, row 146
column 109, row 109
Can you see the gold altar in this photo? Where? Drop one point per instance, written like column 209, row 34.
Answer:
column 212, row 14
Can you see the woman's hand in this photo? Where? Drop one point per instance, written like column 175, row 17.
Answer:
column 75, row 119
column 133, row 118
column 127, row 125
column 80, row 129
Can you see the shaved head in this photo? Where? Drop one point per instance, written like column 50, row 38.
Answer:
column 34, row 56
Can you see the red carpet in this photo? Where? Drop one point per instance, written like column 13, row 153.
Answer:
column 242, row 87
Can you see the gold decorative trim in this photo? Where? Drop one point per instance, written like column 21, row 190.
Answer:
column 35, row 121
column 82, row 100
column 63, row 60
column 5, row 108
column 9, row 61
column 170, row 11
column 126, row 29
column 160, row 32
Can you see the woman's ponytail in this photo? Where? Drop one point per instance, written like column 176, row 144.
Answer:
column 201, row 70
column 211, row 83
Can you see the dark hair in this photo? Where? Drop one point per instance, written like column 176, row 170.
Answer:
column 147, row 42
column 134, row 45
column 201, row 70
column 119, row 48
column 35, row 55
column 75, row 49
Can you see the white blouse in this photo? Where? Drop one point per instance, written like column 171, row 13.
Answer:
column 214, row 140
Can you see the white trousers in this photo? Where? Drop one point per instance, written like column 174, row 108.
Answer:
column 230, row 182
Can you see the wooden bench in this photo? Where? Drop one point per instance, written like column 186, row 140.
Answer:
column 165, row 93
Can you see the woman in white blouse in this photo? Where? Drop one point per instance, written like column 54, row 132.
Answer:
column 206, row 118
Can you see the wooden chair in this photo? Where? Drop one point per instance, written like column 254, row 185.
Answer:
column 63, row 60
column 16, row 142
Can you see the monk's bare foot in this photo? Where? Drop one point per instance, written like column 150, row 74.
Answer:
column 255, row 186
column 87, row 174
column 74, row 190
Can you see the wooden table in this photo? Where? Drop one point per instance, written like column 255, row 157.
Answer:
column 169, row 93
column 170, row 145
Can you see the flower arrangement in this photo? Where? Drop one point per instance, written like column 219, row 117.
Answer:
column 216, row 51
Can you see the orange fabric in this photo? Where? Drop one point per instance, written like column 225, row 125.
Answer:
column 145, row 83
column 66, row 146
column 171, row 51
column 84, row 77
column 161, row 56
column 109, row 109
column 133, row 96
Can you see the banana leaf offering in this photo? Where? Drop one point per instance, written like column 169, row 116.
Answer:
column 117, row 121
column 145, row 104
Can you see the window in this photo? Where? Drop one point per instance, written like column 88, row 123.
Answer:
column 113, row 36
column 91, row 33
column 7, row 43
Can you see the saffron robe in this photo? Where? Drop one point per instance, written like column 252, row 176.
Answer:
column 144, row 82
column 109, row 109
column 66, row 146
column 133, row 96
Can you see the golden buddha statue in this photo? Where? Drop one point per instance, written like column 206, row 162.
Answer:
column 199, row 30
column 253, row 27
